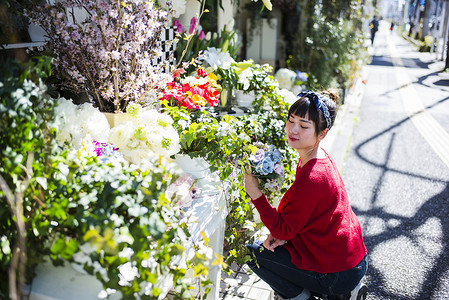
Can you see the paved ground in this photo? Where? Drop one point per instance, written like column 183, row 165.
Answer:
column 397, row 172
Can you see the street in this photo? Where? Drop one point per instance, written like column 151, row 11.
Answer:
column 396, row 171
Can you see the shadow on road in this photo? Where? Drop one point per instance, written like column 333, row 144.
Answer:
column 398, row 226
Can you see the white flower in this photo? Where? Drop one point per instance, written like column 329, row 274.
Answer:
column 74, row 122
column 115, row 55
column 289, row 97
column 151, row 134
column 178, row 6
column 121, row 134
column 165, row 283
column 245, row 77
column 218, row 59
column 193, row 81
column 106, row 293
column 126, row 253
column 285, row 78
column 127, row 273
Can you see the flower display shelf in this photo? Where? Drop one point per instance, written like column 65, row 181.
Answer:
column 209, row 207
column 208, row 210
column 196, row 167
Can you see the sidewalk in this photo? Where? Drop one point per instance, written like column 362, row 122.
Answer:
column 242, row 284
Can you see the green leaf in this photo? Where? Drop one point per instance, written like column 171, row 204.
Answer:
column 58, row 246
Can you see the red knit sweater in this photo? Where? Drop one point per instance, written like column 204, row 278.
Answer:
column 315, row 217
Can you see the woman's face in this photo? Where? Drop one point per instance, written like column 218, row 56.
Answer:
column 300, row 132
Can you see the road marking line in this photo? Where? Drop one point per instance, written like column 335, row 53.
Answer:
column 428, row 127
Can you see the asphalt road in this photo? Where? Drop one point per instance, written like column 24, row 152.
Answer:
column 396, row 170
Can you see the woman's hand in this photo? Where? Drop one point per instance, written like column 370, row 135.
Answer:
column 252, row 185
column 272, row 242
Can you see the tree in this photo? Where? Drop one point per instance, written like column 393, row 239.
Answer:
column 328, row 42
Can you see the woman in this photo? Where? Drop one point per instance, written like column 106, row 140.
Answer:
column 315, row 245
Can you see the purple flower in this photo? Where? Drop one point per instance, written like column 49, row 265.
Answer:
column 98, row 151
column 178, row 25
column 258, row 156
column 193, row 22
column 301, row 76
column 202, row 35
column 278, row 169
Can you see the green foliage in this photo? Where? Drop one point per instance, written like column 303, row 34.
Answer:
column 329, row 45
column 117, row 215
column 266, row 127
column 25, row 111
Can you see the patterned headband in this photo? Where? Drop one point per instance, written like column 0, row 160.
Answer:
column 319, row 104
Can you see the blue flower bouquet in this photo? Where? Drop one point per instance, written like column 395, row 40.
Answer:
column 266, row 165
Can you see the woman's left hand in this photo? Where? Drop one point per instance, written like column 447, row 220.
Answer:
column 271, row 242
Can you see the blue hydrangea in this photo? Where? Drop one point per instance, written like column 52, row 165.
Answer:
column 274, row 154
column 265, row 166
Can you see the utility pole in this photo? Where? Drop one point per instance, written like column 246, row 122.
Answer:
column 435, row 26
column 445, row 34
column 426, row 17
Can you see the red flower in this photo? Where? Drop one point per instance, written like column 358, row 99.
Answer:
column 201, row 72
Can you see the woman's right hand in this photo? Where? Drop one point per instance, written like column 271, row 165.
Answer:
column 271, row 242
column 252, row 185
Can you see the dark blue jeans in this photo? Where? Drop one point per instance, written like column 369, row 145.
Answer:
column 286, row 279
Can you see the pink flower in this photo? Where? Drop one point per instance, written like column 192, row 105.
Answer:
column 178, row 25
column 202, row 35
column 192, row 25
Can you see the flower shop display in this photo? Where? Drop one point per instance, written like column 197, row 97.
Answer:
column 118, row 222
column 145, row 134
column 110, row 198
column 108, row 55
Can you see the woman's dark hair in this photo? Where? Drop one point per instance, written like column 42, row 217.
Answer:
column 305, row 105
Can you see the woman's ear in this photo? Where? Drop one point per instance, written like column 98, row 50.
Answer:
column 323, row 134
